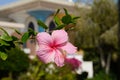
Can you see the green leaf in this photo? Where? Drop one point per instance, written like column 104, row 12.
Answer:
column 3, row 56
column 66, row 19
column 66, row 12
column 40, row 23
column 25, row 37
column 32, row 32
column 35, row 33
column 2, row 42
column 4, row 31
column 57, row 12
column 18, row 32
column 14, row 38
column 76, row 18
column 60, row 27
column 19, row 42
column 57, row 20
column 6, row 37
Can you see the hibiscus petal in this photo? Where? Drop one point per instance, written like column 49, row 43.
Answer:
column 59, row 58
column 69, row 48
column 59, row 37
column 44, row 38
column 46, row 54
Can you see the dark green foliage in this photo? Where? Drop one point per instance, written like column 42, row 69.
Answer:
column 16, row 63
column 92, row 55
column 87, row 34
column 104, row 13
column 110, row 37
column 99, row 20
column 66, row 19
column 102, row 76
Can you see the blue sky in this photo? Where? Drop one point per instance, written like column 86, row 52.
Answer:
column 5, row 2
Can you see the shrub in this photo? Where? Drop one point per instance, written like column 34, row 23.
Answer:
column 16, row 63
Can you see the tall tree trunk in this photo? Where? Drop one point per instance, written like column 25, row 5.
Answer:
column 102, row 60
column 108, row 63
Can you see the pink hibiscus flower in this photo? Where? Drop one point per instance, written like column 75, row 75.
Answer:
column 52, row 47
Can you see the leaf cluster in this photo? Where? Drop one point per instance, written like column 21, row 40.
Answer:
column 6, row 43
column 66, row 20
